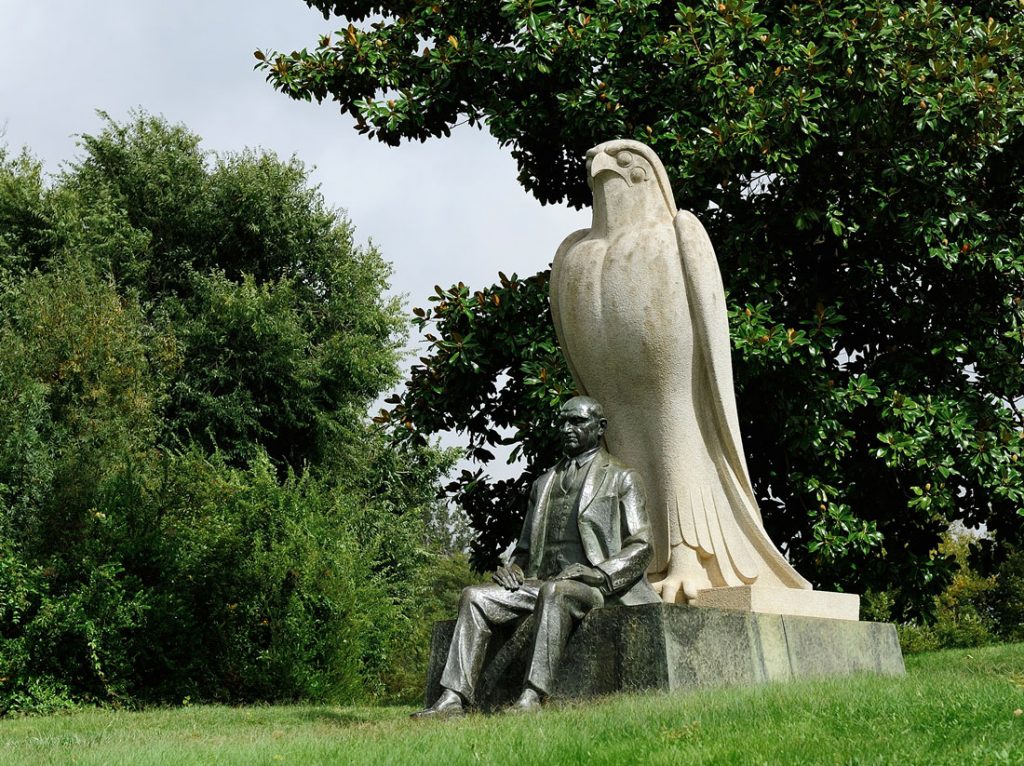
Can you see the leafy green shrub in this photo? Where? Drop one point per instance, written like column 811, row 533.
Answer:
column 192, row 504
column 235, row 586
column 63, row 644
column 266, row 590
column 963, row 617
column 916, row 638
column 963, row 614
column 437, row 598
column 1007, row 597
column 19, row 598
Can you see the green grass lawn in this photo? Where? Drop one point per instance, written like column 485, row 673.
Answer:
column 953, row 707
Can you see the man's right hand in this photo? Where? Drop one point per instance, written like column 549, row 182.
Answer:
column 510, row 577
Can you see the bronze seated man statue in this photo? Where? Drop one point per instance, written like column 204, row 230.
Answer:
column 585, row 544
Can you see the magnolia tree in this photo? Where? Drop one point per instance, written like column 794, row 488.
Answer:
column 858, row 166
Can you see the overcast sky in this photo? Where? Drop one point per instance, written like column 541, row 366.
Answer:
column 441, row 212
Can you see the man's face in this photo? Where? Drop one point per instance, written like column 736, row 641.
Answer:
column 581, row 428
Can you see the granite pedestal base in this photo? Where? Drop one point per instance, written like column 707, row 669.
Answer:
column 670, row 648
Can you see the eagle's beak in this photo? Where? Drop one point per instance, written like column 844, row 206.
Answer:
column 602, row 162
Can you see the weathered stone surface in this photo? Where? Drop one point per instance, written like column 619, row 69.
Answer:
column 639, row 308
column 669, row 648
column 800, row 603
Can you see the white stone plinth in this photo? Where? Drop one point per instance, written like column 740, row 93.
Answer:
column 801, row 603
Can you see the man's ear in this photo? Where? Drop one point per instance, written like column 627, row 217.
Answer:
column 603, row 425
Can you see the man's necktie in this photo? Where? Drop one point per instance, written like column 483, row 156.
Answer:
column 569, row 475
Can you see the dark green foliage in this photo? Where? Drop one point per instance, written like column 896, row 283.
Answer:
column 273, row 590
column 77, row 402
column 858, row 166
column 501, row 333
column 231, row 585
column 438, row 601
column 1007, row 597
column 973, row 609
column 279, row 320
column 192, row 503
column 963, row 614
column 24, row 229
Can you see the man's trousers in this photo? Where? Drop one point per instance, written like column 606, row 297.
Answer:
column 559, row 605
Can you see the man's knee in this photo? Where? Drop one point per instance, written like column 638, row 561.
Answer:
column 555, row 590
column 569, row 595
column 474, row 595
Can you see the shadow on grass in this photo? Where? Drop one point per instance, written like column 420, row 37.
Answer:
column 340, row 716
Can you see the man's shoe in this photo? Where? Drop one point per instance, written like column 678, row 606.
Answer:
column 528, row 702
column 448, row 705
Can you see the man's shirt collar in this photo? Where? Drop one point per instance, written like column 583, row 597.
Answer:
column 583, row 459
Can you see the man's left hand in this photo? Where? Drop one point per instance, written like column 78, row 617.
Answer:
column 581, row 573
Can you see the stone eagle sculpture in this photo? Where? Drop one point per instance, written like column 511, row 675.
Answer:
column 639, row 310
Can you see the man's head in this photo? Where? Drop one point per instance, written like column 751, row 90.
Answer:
column 582, row 424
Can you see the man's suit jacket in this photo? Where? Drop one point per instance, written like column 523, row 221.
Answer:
column 614, row 529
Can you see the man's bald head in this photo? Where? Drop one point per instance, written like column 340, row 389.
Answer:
column 586, row 405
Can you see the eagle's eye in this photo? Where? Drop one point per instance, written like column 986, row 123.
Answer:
column 624, row 159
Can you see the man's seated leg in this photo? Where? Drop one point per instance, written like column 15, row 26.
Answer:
column 481, row 607
column 561, row 604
